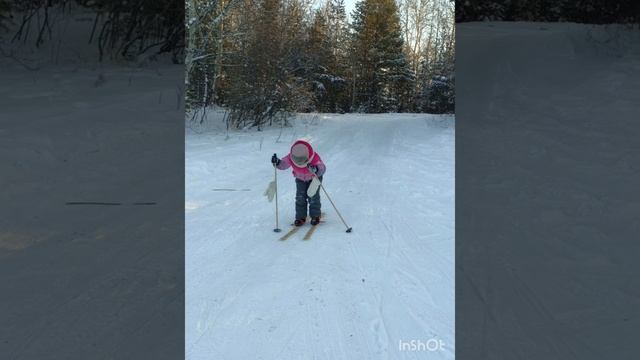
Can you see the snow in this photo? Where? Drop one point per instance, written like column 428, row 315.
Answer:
column 548, row 112
column 338, row 295
column 68, row 271
column 98, row 279
column 60, row 120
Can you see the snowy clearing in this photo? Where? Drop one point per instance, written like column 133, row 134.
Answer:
column 66, row 136
column 338, row 295
column 88, row 281
column 556, row 94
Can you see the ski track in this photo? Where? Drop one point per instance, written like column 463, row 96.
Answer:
column 339, row 295
column 107, row 272
column 577, row 100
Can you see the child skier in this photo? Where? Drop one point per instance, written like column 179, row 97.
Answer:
column 306, row 165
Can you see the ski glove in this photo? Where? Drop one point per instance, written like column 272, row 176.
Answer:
column 274, row 160
column 313, row 187
column 313, row 169
column 270, row 192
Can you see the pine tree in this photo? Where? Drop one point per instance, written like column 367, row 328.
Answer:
column 582, row 11
column 267, row 79
column 436, row 79
column 253, row 95
column 482, row 10
column 319, row 58
column 324, row 72
column 338, row 33
column 382, row 76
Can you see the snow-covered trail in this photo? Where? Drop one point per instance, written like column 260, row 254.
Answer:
column 102, row 280
column 557, row 107
column 339, row 295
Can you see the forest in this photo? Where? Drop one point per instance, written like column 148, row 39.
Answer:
column 121, row 30
column 264, row 60
column 578, row 11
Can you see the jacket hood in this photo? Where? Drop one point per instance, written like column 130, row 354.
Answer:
column 301, row 153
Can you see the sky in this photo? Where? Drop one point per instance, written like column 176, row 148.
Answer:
column 349, row 6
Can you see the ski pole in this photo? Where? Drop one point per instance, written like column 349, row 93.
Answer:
column 334, row 205
column 275, row 176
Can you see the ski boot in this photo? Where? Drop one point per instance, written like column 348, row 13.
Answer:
column 315, row 220
column 299, row 222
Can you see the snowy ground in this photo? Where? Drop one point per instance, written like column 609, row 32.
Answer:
column 339, row 295
column 81, row 282
column 550, row 119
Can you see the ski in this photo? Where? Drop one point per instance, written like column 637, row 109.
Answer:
column 293, row 230
column 307, row 236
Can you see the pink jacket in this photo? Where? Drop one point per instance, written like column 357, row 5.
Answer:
column 303, row 173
